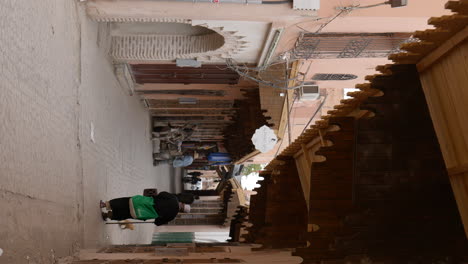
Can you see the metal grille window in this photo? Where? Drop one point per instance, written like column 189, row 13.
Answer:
column 333, row 77
column 348, row 45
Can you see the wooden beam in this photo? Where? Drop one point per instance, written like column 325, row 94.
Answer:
column 443, row 49
column 248, row 156
column 458, row 170
column 306, row 155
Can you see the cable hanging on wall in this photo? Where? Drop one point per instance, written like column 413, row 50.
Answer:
column 279, row 82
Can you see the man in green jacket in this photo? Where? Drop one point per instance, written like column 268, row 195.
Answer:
column 163, row 207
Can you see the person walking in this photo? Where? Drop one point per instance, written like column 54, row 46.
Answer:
column 195, row 174
column 163, row 208
column 177, row 162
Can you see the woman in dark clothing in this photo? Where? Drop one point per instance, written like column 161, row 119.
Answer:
column 195, row 174
column 163, row 207
column 168, row 206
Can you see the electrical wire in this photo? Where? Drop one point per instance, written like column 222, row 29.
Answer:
column 316, row 111
column 329, row 21
column 232, row 66
column 349, row 8
column 289, row 118
column 342, row 10
column 289, row 112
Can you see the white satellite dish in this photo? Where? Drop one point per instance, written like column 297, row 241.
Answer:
column 264, row 139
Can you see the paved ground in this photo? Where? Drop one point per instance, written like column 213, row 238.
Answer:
column 56, row 90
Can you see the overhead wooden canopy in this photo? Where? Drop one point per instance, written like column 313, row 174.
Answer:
column 170, row 73
column 441, row 60
column 381, row 189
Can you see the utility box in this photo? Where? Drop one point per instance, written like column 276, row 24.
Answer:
column 309, row 92
column 306, row 4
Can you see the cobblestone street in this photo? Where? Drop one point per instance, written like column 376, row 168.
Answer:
column 69, row 135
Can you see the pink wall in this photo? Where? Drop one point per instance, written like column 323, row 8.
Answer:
column 196, row 11
column 415, row 8
column 377, row 19
column 380, row 19
column 357, row 66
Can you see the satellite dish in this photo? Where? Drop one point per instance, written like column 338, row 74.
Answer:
column 264, row 139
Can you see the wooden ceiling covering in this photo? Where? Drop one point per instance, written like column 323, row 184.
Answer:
column 170, row 73
column 381, row 190
column 400, row 194
column 249, row 117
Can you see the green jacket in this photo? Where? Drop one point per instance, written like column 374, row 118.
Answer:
column 143, row 207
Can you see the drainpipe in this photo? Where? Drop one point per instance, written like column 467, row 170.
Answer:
column 274, row 38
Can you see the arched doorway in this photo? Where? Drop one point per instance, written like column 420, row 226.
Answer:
column 164, row 41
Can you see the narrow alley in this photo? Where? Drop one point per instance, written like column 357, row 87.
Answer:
column 233, row 131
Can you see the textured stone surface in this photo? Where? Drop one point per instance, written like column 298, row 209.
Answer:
column 69, row 135
column 220, row 44
column 163, row 47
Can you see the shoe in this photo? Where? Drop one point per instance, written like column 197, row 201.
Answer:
column 104, row 216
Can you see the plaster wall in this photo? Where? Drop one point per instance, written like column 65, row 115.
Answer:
column 139, row 9
column 250, row 36
column 357, row 66
column 376, row 19
column 157, row 28
column 379, row 19
column 415, row 8
column 70, row 135
column 251, row 23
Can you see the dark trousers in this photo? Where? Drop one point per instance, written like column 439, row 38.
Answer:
column 120, row 208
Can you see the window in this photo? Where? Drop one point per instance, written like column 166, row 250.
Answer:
column 348, row 45
column 333, row 77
